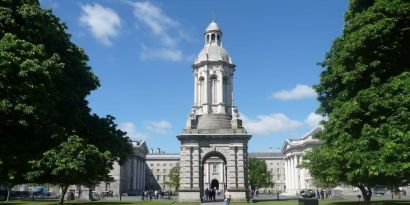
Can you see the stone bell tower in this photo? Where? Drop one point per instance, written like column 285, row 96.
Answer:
column 213, row 128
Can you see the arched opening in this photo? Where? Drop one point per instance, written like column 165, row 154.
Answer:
column 225, row 89
column 200, row 91
column 213, row 174
column 207, row 38
column 214, row 92
column 213, row 37
column 215, row 184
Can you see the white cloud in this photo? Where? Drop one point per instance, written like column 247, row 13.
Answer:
column 103, row 23
column 163, row 27
column 299, row 92
column 171, row 54
column 268, row 124
column 314, row 119
column 161, row 127
column 132, row 131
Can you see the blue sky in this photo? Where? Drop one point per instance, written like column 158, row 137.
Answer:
column 142, row 52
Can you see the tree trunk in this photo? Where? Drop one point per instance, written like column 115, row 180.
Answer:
column 90, row 192
column 9, row 186
column 366, row 193
column 64, row 189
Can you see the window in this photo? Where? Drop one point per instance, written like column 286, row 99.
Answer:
column 158, row 165
column 164, row 178
column 277, row 169
column 164, row 164
column 213, row 38
column 164, row 171
column 152, row 165
column 157, row 177
column 213, row 90
column 277, row 164
column 214, row 168
column 278, row 177
column 271, row 163
column 201, row 90
column 157, row 170
column 271, row 170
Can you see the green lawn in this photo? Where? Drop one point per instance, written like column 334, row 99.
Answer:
column 290, row 202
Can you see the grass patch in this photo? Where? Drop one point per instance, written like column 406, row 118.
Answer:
column 330, row 202
column 165, row 202
column 79, row 202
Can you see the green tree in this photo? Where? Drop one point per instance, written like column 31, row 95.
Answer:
column 72, row 162
column 259, row 176
column 365, row 93
column 44, row 81
column 174, row 179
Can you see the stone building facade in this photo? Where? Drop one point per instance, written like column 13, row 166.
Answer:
column 293, row 150
column 130, row 177
column 158, row 168
column 276, row 165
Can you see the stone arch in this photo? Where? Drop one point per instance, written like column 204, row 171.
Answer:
column 207, row 154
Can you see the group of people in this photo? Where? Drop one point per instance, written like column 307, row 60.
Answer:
column 323, row 194
column 209, row 194
column 148, row 195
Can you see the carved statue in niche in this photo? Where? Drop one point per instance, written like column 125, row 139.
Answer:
column 235, row 113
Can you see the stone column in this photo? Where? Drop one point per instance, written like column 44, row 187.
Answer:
column 144, row 169
column 140, row 166
column 302, row 174
column 196, row 88
column 292, row 172
column 298, row 172
column 185, row 172
column 287, row 173
column 220, row 88
column 240, row 167
column 196, row 167
column 231, row 168
column 134, row 186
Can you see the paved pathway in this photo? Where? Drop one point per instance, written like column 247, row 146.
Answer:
column 213, row 203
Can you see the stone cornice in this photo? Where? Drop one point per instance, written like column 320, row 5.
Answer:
column 220, row 62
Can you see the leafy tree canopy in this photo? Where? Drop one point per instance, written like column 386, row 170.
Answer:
column 259, row 176
column 44, row 81
column 174, row 178
column 72, row 162
column 365, row 92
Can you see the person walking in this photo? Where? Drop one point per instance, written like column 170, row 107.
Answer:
column 227, row 197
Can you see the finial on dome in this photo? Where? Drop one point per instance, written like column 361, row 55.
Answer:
column 213, row 16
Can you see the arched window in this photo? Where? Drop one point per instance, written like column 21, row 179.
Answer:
column 218, row 37
column 201, row 89
column 207, row 38
column 213, row 37
column 225, row 90
column 213, row 89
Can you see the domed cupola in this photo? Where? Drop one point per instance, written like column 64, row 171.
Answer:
column 213, row 50
column 213, row 69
